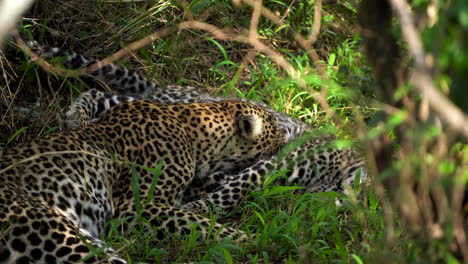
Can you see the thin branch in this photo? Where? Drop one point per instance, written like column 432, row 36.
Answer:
column 217, row 33
column 221, row 34
column 274, row 55
column 36, row 156
column 132, row 47
column 317, row 22
column 421, row 77
column 257, row 8
column 303, row 43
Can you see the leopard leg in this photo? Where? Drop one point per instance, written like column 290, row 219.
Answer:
column 165, row 218
column 199, row 188
column 313, row 167
column 229, row 194
column 91, row 105
column 34, row 233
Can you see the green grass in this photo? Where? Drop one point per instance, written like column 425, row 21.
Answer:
column 289, row 228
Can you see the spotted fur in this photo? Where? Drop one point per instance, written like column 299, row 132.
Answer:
column 59, row 190
column 311, row 166
column 132, row 86
column 315, row 166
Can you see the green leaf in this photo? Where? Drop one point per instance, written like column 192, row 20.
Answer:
column 397, row 118
column 136, row 190
column 272, row 177
column 227, row 256
column 154, row 181
column 331, row 59
column 17, row 133
column 52, row 129
column 220, row 47
column 357, row 259
column 463, row 16
column 260, row 217
column 280, row 190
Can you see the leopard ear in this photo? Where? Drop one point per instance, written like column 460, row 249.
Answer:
column 250, row 126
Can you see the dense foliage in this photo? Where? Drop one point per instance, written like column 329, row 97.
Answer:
column 325, row 78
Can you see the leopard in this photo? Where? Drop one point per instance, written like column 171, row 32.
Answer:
column 310, row 166
column 132, row 86
column 315, row 166
column 59, row 190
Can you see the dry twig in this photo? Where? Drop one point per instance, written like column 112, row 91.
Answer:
column 306, row 44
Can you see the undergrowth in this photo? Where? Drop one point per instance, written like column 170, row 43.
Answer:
column 289, row 228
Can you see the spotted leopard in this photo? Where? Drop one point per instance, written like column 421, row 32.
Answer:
column 315, row 166
column 59, row 190
column 310, row 166
column 132, row 86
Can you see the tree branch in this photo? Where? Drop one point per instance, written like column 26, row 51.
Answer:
column 421, row 77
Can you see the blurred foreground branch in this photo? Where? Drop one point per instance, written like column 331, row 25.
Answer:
column 427, row 199
column 10, row 11
column 422, row 79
